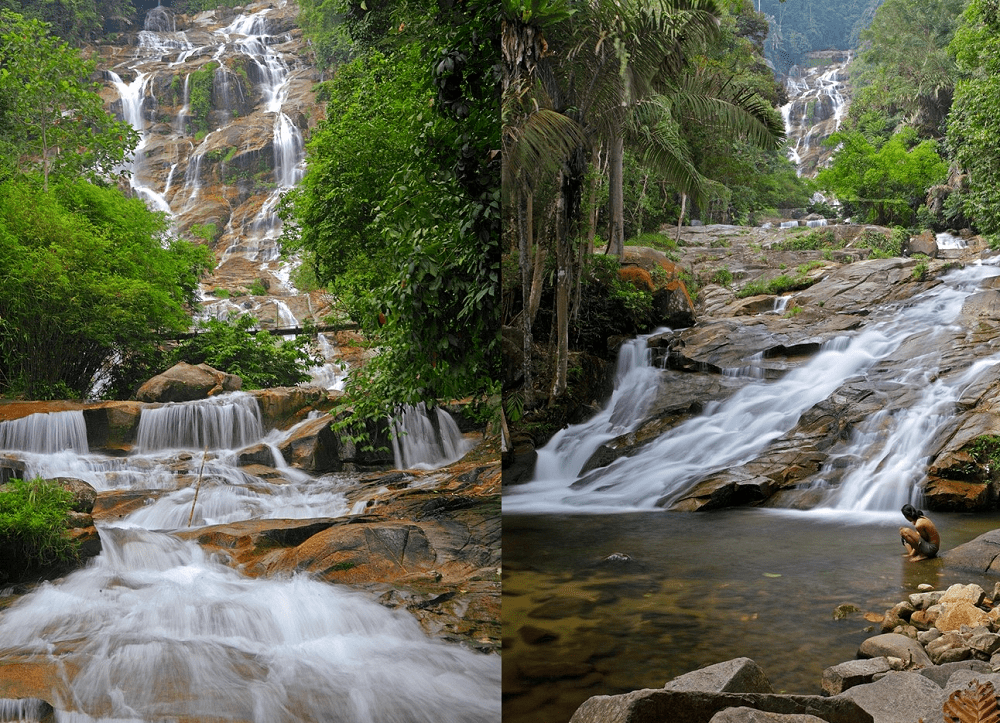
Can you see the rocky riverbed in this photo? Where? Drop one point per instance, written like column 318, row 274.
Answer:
column 934, row 651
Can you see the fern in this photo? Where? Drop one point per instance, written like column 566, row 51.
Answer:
column 975, row 704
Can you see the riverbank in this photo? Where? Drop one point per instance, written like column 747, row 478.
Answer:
column 691, row 590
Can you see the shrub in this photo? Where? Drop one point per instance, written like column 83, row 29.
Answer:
column 33, row 527
column 260, row 359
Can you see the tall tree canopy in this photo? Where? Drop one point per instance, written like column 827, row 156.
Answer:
column 400, row 208
column 55, row 119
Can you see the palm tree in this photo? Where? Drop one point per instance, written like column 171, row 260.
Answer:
column 620, row 68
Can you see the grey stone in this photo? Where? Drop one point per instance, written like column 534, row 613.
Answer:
column 960, row 680
column 923, row 600
column 897, row 646
column 982, row 641
column 940, row 674
column 749, row 715
column 739, row 675
column 903, row 697
column 656, row 705
column 838, row 678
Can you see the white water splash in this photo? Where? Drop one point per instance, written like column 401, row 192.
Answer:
column 46, row 433
column 155, row 630
column 420, row 443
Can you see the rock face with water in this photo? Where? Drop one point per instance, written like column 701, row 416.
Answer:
column 871, row 386
column 818, row 102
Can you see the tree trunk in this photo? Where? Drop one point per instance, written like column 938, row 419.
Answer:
column 541, row 253
column 680, row 219
column 571, row 194
column 595, row 184
column 524, row 213
column 616, row 200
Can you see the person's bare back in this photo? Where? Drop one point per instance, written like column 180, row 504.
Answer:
column 922, row 541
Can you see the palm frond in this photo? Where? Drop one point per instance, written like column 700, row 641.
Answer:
column 539, row 146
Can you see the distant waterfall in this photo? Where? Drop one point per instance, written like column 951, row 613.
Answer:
column 818, row 103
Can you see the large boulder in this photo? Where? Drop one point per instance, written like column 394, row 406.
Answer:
column 739, row 675
column 899, row 697
column 895, row 645
column 680, row 706
column 185, row 382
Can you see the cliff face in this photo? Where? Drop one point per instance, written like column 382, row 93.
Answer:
column 223, row 101
column 819, row 100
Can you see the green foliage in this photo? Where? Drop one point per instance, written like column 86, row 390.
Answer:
column 86, row 277
column 778, row 285
column 920, row 271
column 974, row 122
column 33, row 535
column 886, row 184
column 55, row 121
column 882, row 246
column 200, row 96
column 905, row 74
column 259, row 358
column 257, row 288
column 810, row 241
column 608, row 305
column 77, row 21
column 400, row 206
column 722, row 277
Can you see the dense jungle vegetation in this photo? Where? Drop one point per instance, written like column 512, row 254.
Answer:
column 399, row 211
column 398, row 215
column 609, row 140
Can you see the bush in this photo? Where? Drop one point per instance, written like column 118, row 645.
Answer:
column 260, row 359
column 33, row 527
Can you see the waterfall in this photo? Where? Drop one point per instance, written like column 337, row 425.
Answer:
column 735, row 431
column 156, row 628
column 817, row 105
column 46, row 433
column 420, row 443
column 228, row 421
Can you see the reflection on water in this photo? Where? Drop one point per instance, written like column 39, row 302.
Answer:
column 700, row 589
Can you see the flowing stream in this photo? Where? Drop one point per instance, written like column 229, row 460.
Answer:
column 734, row 431
column 153, row 629
column 605, row 592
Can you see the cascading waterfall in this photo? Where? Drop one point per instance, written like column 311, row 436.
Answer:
column 818, row 103
column 228, row 421
column 155, row 629
column 46, row 433
column 735, row 431
column 418, row 442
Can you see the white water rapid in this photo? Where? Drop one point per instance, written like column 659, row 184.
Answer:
column 732, row 432
column 153, row 629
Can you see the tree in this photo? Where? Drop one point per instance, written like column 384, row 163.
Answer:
column 974, row 123
column 906, row 72
column 58, row 121
column 87, row 280
column 416, row 229
column 883, row 184
column 616, row 69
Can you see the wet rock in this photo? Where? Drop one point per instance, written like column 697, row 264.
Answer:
column 839, row 678
column 658, row 705
column 84, row 494
column 898, row 696
column 925, row 243
column 978, row 555
column 283, row 407
column 186, row 382
column 749, row 715
column 897, row 646
column 739, row 675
